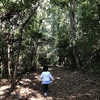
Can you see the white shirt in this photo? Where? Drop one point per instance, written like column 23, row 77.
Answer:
column 46, row 76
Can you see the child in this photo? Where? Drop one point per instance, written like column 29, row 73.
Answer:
column 46, row 78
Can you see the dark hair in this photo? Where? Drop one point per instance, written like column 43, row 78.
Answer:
column 45, row 68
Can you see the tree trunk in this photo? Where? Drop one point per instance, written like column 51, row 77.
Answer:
column 16, row 64
column 19, row 46
column 73, row 33
column 9, row 53
column 9, row 62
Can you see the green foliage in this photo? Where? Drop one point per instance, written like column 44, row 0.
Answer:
column 47, row 37
column 60, row 3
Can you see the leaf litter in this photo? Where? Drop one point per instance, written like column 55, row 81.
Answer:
column 68, row 85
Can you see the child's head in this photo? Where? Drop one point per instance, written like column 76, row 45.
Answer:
column 45, row 68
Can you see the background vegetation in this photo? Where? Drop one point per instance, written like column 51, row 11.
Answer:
column 53, row 32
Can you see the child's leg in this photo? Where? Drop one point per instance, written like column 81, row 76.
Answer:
column 45, row 89
column 45, row 86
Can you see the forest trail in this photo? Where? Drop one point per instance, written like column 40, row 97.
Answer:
column 68, row 85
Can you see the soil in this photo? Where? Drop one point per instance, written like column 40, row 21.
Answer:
column 68, row 85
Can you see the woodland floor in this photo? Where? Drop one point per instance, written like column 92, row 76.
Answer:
column 68, row 85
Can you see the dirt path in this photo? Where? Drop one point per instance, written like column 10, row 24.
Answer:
column 68, row 85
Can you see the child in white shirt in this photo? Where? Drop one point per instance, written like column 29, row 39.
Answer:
column 46, row 78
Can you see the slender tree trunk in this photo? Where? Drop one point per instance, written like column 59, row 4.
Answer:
column 9, row 62
column 9, row 53
column 16, row 62
column 19, row 46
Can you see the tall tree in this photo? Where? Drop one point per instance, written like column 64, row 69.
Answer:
column 32, row 12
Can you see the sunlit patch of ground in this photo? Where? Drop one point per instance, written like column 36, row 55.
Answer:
column 25, row 92
column 4, row 89
column 29, row 93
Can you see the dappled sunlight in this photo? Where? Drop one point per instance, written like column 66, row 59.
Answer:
column 50, row 69
column 79, row 96
column 72, row 97
column 25, row 81
column 41, row 67
column 30, row 93
column 4, row 82
column 36, row 76
column 32, row 98
column 41, row 98
column 25, row 91
column 58, row 78
column 4, row 89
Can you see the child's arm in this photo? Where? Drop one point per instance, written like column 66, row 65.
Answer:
column 51, row 77
column 40, row 78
